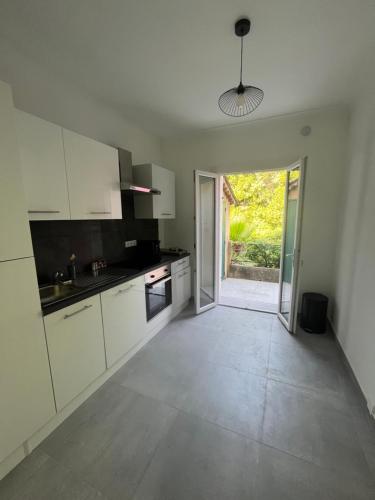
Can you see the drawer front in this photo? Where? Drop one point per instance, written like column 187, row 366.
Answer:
column 137, row 284
column 76, row 348
column 124, row 318
column 181, row 264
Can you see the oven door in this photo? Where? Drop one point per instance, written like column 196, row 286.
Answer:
column 158, row 296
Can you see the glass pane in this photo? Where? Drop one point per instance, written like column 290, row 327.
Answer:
column 207, row 240
column 290, row 230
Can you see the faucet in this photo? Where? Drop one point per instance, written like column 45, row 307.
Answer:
column 58, row 278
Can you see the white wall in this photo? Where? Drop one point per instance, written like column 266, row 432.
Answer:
column 271, row 144
column 48, row 96
column 355, row 270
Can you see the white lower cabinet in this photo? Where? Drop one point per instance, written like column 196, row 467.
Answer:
column 124, row 318
column 26, row 396
column 181, row 287
column 76, row 348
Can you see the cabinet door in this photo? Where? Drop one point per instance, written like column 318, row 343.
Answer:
column 42, row 167
column 76, row 348
column 186, row 288
column 15, row 239
column 181, row 287
column 93, row 178
column 124, row 318
column 25, row 380
column 164, row 204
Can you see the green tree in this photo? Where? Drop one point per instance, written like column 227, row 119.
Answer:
column 261, row 202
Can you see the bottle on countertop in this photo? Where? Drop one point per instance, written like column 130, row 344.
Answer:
column 72, row 269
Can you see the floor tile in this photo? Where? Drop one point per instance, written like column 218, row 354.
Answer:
column 364, row 426
column 198, row 460
column 228, row 397
column 119, row 468
column 10, row 485
column 100, row 410
column 182, row 338
column 50, row 480
column 163, row 374
column 284, row 477
column 324, row 343
column 231, row 320
column 112, row 450
column 242, row 352
column 300, row 365
column 304, row 425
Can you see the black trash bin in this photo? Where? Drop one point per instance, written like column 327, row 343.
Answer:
column 314, row 312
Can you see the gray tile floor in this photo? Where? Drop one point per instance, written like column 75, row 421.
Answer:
column 225, row 405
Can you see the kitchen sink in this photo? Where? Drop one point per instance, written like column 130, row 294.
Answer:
column 54, row 292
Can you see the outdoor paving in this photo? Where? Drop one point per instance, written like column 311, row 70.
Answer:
column 249, row 294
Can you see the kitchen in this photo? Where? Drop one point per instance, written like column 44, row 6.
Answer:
column 122, row 377
column 100, row 287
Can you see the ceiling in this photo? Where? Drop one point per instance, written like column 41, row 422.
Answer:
column 164, row 63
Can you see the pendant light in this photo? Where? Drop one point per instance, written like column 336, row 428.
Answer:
column 243, row 99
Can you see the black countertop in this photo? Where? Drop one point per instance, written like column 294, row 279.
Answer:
column 116, row 274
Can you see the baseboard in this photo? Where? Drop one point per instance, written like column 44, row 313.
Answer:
column 367, row 403
column 28, row 446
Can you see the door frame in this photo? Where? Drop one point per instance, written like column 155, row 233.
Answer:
column 291, row 325
column 217, row 235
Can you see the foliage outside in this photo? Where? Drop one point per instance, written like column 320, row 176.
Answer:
column 256, row 222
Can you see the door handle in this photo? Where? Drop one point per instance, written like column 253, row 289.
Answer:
column 100, row 213
column 43, row 211
column 160, row 282
column 77, row 312
column 123, row 290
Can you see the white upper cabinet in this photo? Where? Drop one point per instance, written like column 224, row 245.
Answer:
column 93, row 178
column 15, row 238
column 155, row 206
column 43, row 168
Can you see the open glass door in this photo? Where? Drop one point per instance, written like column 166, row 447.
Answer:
column 207, row 196
column 290, row 250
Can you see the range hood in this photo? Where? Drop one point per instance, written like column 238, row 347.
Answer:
column 126, row 175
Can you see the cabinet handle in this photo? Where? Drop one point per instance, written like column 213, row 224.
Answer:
column 99, row 213
column 181, row 263
column 43, row 211
column 76, row 312
column 165, row 213
column 183, row 274
column 125, row 289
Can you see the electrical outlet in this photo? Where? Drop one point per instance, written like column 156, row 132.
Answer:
column 130, row 243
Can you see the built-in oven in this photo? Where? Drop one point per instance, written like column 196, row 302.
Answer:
column 158, row 289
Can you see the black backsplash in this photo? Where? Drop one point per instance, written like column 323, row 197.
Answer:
column 55, row 241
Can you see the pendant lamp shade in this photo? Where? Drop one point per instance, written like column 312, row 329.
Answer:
column 243, row 99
